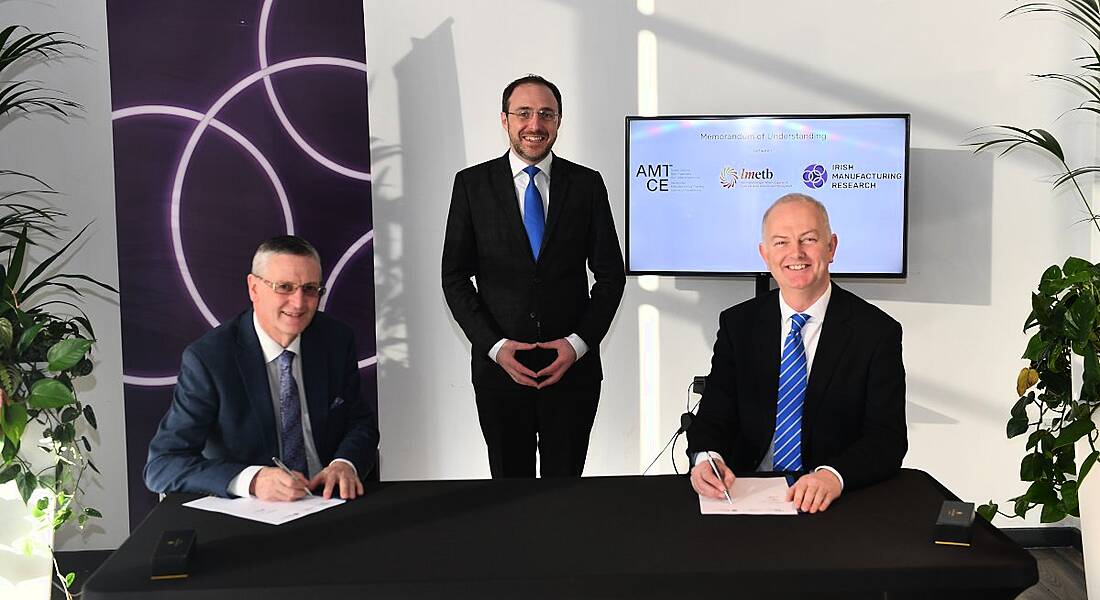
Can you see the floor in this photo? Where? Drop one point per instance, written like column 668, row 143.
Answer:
column 1061, row 575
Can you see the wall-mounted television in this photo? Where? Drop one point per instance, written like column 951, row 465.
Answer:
column 697, row 187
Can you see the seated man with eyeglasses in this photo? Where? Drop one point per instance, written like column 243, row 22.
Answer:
column 268, row 404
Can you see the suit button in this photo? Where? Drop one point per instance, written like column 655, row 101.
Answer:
column 533, row 315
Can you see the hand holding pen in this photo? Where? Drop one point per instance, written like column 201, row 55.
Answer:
column 714, row 467
column 286, row 469
column 711, row 478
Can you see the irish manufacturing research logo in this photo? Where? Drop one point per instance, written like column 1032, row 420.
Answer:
column 728, row 177
column 815, row 176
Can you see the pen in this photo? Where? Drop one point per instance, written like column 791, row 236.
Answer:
column 286, row 469
column 714, row 467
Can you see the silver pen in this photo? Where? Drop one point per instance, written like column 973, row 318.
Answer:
column 286, row 469
column 714, row 467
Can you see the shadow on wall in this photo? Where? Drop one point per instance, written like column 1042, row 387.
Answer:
column 798, row 69
column 406, row 223
column 950, row 232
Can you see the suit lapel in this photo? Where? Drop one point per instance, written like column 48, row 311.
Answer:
column 836, row 332
column 504, row 189
column 314, row 369
column 559, row 193
column 250, row 363
column 765, row 337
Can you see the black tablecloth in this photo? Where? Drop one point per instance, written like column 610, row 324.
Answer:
column 601, row 537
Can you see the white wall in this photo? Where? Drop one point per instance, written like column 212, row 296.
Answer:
column 75, row 157
column 981, row 232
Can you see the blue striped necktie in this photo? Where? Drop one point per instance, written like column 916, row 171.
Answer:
column 792, row 391
column 533, row 219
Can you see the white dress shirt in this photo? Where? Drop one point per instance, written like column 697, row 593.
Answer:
column 239, row 485
column 811, row 334
column 542, row 181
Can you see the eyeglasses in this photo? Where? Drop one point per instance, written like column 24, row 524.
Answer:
column 286, row 288
column 544, row 115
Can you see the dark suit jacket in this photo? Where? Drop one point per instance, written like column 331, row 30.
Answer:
column 222, row 418
column 516, row 297
column 854, row 413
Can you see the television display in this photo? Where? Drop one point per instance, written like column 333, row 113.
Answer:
column 698, row 186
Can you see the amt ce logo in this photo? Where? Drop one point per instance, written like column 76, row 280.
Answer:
column 656, row 176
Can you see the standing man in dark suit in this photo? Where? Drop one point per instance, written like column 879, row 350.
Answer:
column 807, row 379
column 524, row 226
column 280, row 380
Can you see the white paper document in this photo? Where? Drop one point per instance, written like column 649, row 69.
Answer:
column 274, row 513
column 752, row 496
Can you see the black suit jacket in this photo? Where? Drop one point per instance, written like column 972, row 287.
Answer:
column 854, row 413
column 516, row 297
column 222, row 418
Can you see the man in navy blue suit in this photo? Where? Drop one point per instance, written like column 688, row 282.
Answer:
column 807, row 379
column 278, row 381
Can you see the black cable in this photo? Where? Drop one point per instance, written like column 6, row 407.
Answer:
column 655, row 458
column 684, row 423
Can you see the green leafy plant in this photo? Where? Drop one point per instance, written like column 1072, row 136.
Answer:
column 45, row 338
column 1065, row 312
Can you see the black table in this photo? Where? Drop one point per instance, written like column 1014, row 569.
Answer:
column 602, row 537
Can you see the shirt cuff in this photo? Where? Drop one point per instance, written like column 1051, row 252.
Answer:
column 701, row 457
column 834, row 472
column 578, row 344
column 349, row 463
column 239, row 485
column 496, row 349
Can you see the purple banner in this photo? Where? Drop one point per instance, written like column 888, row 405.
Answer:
column 234, row 121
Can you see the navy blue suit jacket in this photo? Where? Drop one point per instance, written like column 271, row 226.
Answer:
column 853, row 419
column 517, row 297
column 222, row 418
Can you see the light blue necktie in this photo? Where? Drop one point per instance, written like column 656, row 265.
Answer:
column 533, row 219
column 290, row 405
column 792, row 392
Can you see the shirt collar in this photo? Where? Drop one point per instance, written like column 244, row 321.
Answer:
column 816, row 310
column 270, row 347
column 518, row 164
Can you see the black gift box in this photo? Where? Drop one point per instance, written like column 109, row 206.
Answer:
column 955, row 523
column 173, row 552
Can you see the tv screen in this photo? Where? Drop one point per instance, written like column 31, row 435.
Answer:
column 697, row 188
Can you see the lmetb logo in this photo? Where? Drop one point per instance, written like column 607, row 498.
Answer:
column 730, row 176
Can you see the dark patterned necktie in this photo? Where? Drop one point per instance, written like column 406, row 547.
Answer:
column 290, row 408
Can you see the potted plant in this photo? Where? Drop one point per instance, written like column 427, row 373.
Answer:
column 45, row 339
column 1064, row 324
column 1064, row 320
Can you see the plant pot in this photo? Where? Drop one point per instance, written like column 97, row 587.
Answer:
column 26, row 558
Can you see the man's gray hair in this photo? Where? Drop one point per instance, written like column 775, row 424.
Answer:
column 283, row 244
column 796, row 197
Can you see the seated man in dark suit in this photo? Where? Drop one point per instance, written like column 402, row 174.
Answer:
column 807, row 379
column 280, row 380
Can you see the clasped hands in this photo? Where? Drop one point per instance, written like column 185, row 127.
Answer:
column 813, row 492
column 272, row 483
column 506, row 358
